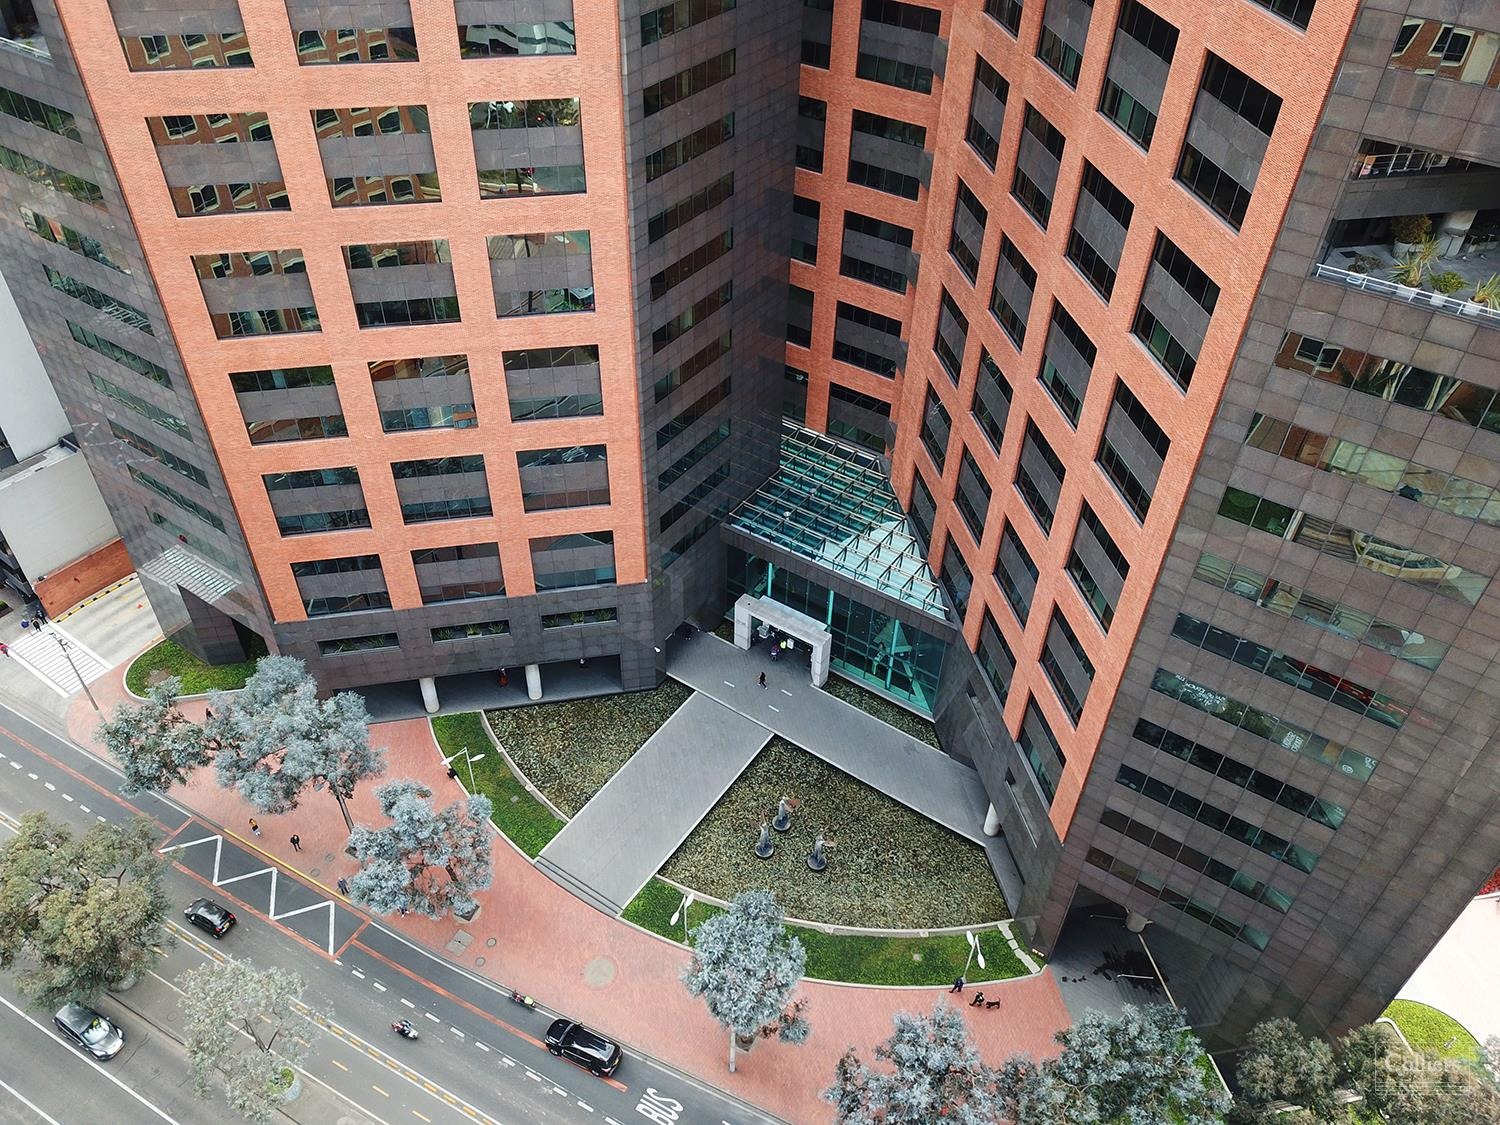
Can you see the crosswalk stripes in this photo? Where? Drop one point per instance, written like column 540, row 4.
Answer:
column 40, row 654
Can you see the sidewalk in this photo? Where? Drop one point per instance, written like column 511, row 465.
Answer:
column 533, row 934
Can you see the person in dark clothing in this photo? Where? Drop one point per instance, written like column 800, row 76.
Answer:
column 343, row 886
column 296, row 842
column 978, row 1000
column 762, row 680
column 958, row 985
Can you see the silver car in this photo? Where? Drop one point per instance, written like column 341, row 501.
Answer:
column 86, row 1028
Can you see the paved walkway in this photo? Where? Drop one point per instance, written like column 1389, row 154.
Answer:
column 1460, row 976
column 633, row 825
column 904, row 768
column 533, row 934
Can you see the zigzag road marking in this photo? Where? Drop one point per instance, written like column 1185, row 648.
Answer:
column 219, row 880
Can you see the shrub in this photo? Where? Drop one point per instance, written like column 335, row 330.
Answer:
column 1410, row 228
column 1449, row 281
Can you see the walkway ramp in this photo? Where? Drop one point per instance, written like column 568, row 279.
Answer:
column 632, row 826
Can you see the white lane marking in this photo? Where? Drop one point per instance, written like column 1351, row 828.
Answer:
column 533, row 1075
column 611, row 1121
column 585, row 1105
column 85, row 808
column 31, row 775
column 50, row 786
column 480, row 1045
column 152, row 1106
column 357, row 973
column 408, row 1003
column 455, row 1031
column 378, row 986
column 728, row 684
column 99, row 818
column 432, row 1017
column 507, row 1060
column 559, row 1090
column 786, row 693
column 773, row 707
column 15, row 765
column 68, row 797
column 20, row 1097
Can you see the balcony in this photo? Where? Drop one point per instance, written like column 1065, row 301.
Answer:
column 19, row 31
column 1372, row 267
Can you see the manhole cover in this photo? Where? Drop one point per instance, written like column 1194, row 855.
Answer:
column 599, row 973
column 478, row 962
column 490, row 943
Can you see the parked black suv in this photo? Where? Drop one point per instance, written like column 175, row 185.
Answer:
column 578, row 1044
column 210, row 916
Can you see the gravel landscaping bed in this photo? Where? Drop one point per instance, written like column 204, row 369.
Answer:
column 883, row 709
column 569, row 750
column 892, row 868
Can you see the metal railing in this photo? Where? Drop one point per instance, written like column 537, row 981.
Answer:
column 1452, row 306
column 36, row 48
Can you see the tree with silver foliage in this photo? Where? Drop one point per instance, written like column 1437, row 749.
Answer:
column 1138, row 1068
column 936, row 1075
column 745, row 967
column 275, row 737
column 249, row 1026
column 156, row 744
column 426, row 860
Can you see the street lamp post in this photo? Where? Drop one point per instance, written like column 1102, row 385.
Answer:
column 470, row 759
column 38, row 620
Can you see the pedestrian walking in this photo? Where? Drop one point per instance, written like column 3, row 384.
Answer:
column 401, row 910
column 763, row 681
column 4, row 649
column 254, row 828
column 958, row 985
column 343, row 886
column 978, row 1001
column 296, row 842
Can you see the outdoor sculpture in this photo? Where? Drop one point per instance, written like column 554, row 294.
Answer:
column 764, row 847
column 817, row 859
column 784, row 810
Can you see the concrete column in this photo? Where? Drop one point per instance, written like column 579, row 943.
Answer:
column 533, row 681
column 742, row 622
column 1452, row 228
column 822, row 650
column 429, row 694
column 991, row 821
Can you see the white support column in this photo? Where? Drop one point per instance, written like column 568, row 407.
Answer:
column 429, row 694
column 1452, row 229
column 742, row 622
column 533, row 681
column 991, row 821
column 822, row 651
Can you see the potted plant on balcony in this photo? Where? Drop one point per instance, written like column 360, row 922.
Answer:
column 1407, row 232
column 1449, row 281
column 1487, row 293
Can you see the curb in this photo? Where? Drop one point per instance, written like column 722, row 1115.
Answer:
column 94, row 597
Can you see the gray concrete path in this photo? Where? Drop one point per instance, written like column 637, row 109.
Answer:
column 904, row 768
column 633, row 825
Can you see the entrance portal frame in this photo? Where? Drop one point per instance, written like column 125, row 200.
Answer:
column 749, row 609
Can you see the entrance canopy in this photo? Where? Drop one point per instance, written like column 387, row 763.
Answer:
column 749, row 609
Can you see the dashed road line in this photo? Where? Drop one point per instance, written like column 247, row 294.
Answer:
column 340, row 1065
column 480, row 1045
column 52, row 788
column 786, row 693
column 378, row 1090
column 419, row 1113
column 455, row 1031
column 583, row 1105
column 408, row 1003
column 378, row 986
column 357, row 973
column 432, row 1017
column 773, row 707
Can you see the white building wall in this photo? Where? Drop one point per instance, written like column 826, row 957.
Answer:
column 30, row 415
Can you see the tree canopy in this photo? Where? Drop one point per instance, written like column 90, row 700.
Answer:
column 275, row 737
column 155, row 743
column 248, row 1026
column 935, row 1074
column 1138, row 1068
column 79, row 913
column 745, row 967
column 426, row 860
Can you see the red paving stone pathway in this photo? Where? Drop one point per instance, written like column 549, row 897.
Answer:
column 532, row 934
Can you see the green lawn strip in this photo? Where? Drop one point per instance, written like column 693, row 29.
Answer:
column 196, row 676
column 1428, row 1029
column 526, row 822
column 848, row 958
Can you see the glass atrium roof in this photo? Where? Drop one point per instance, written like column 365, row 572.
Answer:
column 833, row 505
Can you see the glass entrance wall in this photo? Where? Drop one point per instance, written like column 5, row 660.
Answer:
column 868, row 645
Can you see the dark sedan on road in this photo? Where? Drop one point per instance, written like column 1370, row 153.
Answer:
column 86, row 1028
column 578, row 1044
column 209, row 916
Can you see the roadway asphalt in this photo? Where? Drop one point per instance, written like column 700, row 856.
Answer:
column 479, row 1057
